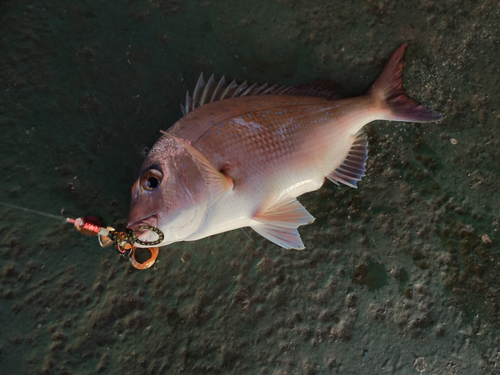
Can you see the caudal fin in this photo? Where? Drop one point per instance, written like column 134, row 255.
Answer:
column 388, row 88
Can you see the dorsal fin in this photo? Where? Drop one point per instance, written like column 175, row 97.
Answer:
column 354, row 165
column 213, row 91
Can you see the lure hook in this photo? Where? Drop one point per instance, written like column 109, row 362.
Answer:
column 123, row 240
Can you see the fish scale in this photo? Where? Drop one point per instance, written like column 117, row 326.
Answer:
column 277, row 140
column 242, row 154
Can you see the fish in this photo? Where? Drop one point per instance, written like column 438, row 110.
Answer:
column 242, row 154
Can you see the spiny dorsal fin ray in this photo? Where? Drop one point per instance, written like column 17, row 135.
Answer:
column 218, row 89
column 206, row 92
column 197, row 91
column 354, row 165
column 279, row 222
column 213, row 91
column 229, row 89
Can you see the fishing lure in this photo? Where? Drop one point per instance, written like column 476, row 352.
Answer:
column 125, row 241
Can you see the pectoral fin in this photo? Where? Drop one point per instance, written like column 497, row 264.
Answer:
column 279, row 222
column 218, row 183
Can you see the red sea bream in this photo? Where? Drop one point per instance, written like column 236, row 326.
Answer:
column 242, row 154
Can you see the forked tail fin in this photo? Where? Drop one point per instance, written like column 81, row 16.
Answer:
column 388, row 89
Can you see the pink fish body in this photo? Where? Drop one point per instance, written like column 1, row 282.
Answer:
column 241, row 161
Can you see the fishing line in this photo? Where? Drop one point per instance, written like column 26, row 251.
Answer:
column 61, row 218
column 246, row 234
column 125, row 241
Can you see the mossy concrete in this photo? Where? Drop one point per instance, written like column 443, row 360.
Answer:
column 400, row 276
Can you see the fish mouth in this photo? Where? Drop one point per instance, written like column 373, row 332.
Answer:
column 144, row 234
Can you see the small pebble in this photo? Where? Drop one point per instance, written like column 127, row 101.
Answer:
column 486, row 238
column 420, row 364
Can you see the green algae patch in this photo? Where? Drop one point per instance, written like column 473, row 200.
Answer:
column 373, row 275
column 405, row 286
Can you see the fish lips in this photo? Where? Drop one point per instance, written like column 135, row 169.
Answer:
column 144, row 234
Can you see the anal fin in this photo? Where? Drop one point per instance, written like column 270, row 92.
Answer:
column 354, row 165
column 279, row 222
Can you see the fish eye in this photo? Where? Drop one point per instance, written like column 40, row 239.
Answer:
column 151, row 179
column 152, row 182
